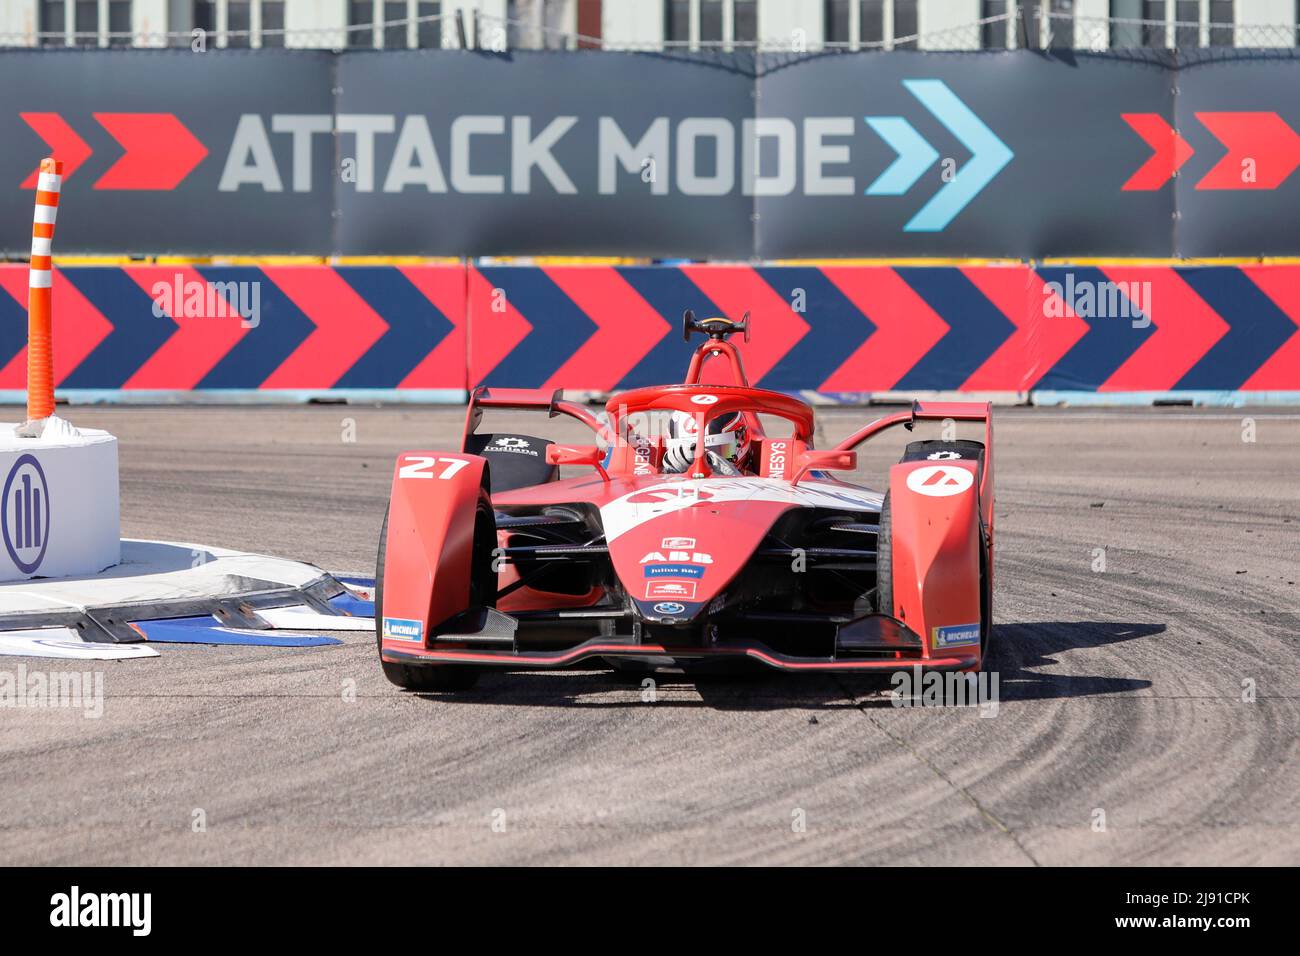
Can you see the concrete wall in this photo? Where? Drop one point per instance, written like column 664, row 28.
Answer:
column 326, row 15
column 489, row 8
column 791, row 21
column 1089, row 32
column 632, row 21
column 1254, row 14
column 150, row 16
column 950, row 23
column 18, row 23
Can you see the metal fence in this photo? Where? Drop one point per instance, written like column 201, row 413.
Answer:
column 1031, row 25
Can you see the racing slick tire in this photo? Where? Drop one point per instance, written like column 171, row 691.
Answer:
column 482, row 589
column 885, row 561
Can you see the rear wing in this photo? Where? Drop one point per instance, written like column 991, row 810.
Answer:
column 536, row 399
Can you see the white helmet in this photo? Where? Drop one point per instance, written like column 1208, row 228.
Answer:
column 726, row 438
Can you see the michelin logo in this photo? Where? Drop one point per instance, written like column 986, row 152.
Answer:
column 956, row 635
column 400, row 629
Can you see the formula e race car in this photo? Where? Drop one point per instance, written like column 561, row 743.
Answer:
column 691, row 538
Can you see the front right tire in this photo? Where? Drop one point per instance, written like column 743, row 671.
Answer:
column 885, row 561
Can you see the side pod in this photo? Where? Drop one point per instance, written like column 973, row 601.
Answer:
column 428, row 555
column 935, row 513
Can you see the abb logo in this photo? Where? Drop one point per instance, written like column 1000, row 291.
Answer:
column 658, row 496
column 158, row 151
column 693, row 557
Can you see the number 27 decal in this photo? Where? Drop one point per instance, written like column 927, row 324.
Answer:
column 421, row 466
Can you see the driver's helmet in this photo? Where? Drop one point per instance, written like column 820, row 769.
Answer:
column 726, row 439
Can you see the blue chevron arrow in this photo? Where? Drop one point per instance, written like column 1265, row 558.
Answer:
column 1106, row 346
column 559, row 327
column 13, row 327
column 976, row 328
column 668, row 292
column 988, row 155
column 263, row 348
column 836, row 328
column 915, row 156
column 415, row 327
column 1256, row 328
column 137, row 332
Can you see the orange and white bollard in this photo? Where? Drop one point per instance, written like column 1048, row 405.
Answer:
column 40, row 294
column 60, row 508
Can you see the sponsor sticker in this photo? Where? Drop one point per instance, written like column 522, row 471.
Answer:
column 509, row 445
column 674, row 571
column 643, row 457
column 25, row 510
column 402, row 629
column 693, row 557
column 669, row 607
column 679, row 495
column 956, row 635
column 940, row 481
column 671, row 543
column 704, row 399
column 685, row 590
column 944, row 455
column 778, row 457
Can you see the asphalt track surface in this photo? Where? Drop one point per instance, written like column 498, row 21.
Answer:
column 1121, row 690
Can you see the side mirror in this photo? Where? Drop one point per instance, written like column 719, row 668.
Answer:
column 831, row 460
column 577, row 455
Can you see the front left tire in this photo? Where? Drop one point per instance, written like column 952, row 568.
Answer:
column 442, row 677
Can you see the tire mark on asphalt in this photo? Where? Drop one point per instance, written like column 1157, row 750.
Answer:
column 969, row 797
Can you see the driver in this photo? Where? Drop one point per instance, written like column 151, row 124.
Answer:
column 726, row 443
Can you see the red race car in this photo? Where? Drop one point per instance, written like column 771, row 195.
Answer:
column 690, row 538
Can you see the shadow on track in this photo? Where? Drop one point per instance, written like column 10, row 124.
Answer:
column 1018, row 654
column 1020, row 651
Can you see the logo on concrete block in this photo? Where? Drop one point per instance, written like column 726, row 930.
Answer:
column 25, row 514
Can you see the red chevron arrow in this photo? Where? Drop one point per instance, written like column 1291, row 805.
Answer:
column 444, row 366
column 495, row 327
column 65, row 145
column 1263, row 140
column 79, row 327
column 159, row 151
column 198, row 343
column 1170, row 151
column 346, row 327
column 1185, row 329
column 1281, row 372
column 1042, row 335
column 626, row 327
column 737, row 289
column 906, row 328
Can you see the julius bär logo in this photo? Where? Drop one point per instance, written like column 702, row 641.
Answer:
column 25, row 514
